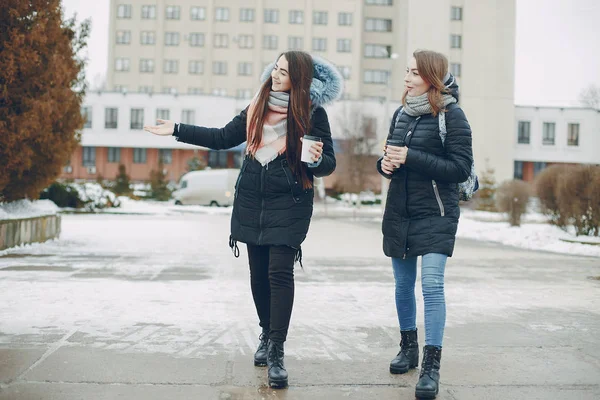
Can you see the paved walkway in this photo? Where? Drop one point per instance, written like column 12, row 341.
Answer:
column 147, row 307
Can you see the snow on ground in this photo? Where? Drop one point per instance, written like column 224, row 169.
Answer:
column 147, row 207
column 27, row 209
column 530, row 235
column 534, row 233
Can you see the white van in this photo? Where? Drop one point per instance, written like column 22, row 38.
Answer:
column 208, row 187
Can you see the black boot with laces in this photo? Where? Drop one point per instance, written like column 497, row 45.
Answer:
column 429, row 379
column 408, row 357
column 278, row 376
column 260, row 357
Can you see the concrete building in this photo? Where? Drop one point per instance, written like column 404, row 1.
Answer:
column 554, row 135
column 220, row 47
column 113, row 135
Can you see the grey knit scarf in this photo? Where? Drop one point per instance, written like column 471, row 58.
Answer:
column 419, row 105
column 280, row 99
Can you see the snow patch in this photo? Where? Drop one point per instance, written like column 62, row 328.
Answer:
column 27, row 209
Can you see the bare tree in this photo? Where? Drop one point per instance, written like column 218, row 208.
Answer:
column 356, row 163
column 590, row 97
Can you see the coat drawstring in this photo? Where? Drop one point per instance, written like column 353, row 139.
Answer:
column 298, row 257
column 234, row 247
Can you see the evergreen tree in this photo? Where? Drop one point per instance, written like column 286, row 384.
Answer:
column 122, row 185
column 42, row 85
column 159, row 188
column 195, row 164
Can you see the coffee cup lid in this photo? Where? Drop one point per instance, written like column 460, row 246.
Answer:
column 314, row 138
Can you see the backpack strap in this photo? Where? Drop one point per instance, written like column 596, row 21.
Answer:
column 442, row 123
column 398, row 116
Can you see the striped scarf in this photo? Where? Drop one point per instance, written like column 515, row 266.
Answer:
column 274, row 129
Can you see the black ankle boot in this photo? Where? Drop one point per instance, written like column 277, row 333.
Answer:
column 260, row 357
column 429, row 379
column 278, row 376
column 408, row 357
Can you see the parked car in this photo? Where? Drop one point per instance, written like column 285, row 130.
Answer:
column 213, row 187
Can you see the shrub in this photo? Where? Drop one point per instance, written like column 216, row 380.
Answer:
column 122, row 185
column 91, row 196
column 195, row 164
column 570, row 195
column 487, row 190
column 512, row 198
column 63, row 195
column 575, row 198
column 546, row 185
column 159, row 186
column 95, row 197
column 593, row 193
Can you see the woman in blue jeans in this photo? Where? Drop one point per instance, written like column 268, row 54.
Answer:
column 421, row 214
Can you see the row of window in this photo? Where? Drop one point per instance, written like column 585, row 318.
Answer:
column 239, row 93
column 548, row 133
column 270, row 42
column 216, row 159
column 124, row 11
column 113, row 155
column 111, row 117
column 222, row 14
column 196, row 67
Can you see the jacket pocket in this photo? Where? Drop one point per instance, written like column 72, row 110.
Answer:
column 295, row 188
column 438, row 198
column 239, row 178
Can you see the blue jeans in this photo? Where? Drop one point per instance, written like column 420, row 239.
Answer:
column 432, row 283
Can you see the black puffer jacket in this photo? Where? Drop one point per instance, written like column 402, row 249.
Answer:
column 421, row 213
column 270, row 205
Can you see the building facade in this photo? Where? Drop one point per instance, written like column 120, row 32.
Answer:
column 220, row 47
column 554, row 135
column 113, row 134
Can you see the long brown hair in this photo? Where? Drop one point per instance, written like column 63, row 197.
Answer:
column 298, row 120
column 432, row 67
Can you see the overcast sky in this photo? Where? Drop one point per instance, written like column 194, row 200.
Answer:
column 557, row 49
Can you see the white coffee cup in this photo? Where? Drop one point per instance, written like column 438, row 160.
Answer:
column 307, row 142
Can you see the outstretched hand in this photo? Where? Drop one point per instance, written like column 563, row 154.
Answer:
column 164, row 127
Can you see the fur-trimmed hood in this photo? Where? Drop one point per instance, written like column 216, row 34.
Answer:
column 327, row 84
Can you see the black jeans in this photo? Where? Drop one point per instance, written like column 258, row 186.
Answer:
column 272, row 283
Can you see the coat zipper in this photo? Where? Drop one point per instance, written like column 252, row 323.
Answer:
column 438, row 198
column 406, row 143
column 262, row 206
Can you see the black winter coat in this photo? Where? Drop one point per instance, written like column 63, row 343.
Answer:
column 270, row 206
column 421, row 213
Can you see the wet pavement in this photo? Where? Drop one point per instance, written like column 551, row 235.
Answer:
column 154, row 307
